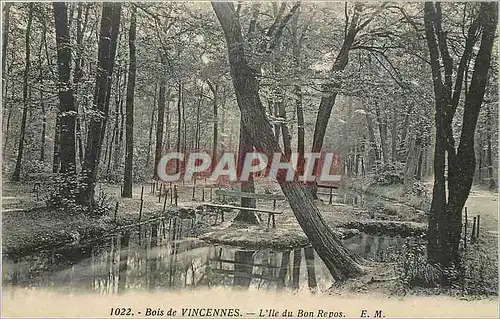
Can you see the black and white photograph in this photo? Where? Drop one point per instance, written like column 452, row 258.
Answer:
column 253, row 159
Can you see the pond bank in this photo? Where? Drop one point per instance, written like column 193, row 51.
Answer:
column 26, row 231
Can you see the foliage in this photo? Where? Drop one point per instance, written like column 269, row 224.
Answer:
column 388, row 174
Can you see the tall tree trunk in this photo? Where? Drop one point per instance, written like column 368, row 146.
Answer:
column 179, row 119
column 110, row 22
column 129, row 145
column 66, row 98
column 341, row 263
column 19, row 161
column 151, row 126
column 78, row 74
column 159, row 124
column 246, row 147
column 215, row 143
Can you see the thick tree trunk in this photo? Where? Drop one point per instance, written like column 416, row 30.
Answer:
column 110, row 21
column 445, row 217
column 19, row 161
column 341, row 263
column 246, row 147
column 66, row 97
column 129, row 144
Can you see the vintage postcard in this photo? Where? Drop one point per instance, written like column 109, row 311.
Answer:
column 293, row 159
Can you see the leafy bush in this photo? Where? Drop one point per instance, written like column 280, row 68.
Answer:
column 389, row 174
column 413, row 268
column 479, row 272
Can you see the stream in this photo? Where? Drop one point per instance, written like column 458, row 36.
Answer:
column 154, row 258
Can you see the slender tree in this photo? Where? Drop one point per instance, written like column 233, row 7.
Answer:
column 129, row 142
column 27, row 65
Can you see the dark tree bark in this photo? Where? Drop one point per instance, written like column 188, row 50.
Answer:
column 67, row 107
column 129, row 144
column 159, row 124
column 445, row 217
column 19, row 161
column 341, row 263
column 214, row 89
column 248, row 186
column 110, row 22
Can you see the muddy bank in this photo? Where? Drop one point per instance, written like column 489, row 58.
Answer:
column 32, row 230
column 391, row 193
column 387, row 227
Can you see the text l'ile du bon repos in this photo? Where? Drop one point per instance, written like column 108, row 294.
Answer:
column 236, row 312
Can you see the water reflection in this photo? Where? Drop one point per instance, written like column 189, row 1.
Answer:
column 165, row 259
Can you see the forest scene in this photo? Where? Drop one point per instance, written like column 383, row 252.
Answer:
column 403, row 96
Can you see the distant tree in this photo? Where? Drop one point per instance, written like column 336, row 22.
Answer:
column 27, row 66
column 129, row 142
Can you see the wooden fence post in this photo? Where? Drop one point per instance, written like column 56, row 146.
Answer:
column 477, row 227
column 175, row 194
column 473, row 236
column 116, row 211
column 164, row 203
column 142, row 202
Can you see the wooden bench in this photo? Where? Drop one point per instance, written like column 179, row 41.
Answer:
column 225, row 207
column 331, row 187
